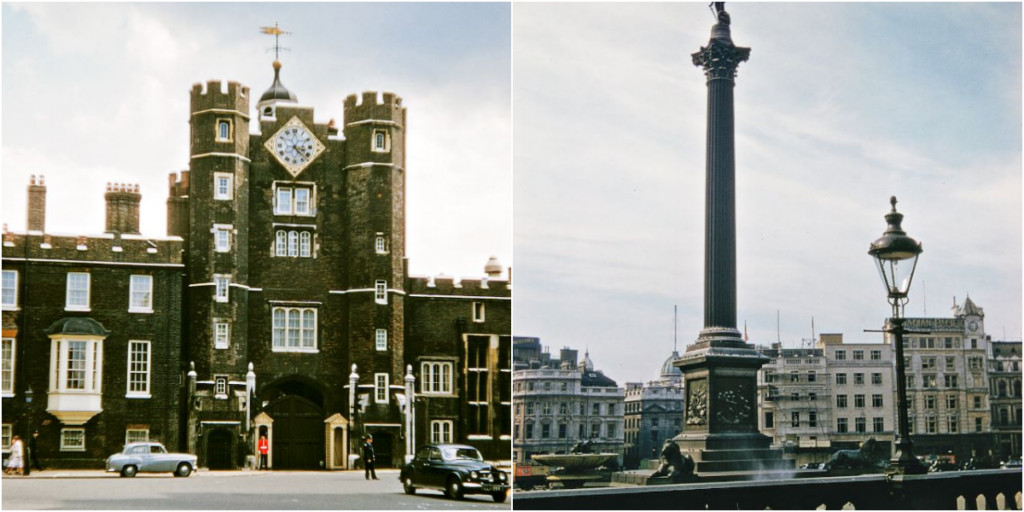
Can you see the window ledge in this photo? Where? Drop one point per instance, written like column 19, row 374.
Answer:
column 138, row 395
column 220, row 348
column 478, row 437
column 7, row 394
column 84, row 309
column 439, row 395
column 299, row 350
column 220, row 397
column 140, row 310
column 11, row 308
column 72, row 449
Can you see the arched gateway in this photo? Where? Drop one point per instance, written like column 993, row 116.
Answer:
column 298, row 422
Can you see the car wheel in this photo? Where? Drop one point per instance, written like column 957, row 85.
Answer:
column 129, row 471
column 454, row 488
column 184, row 470
column 407, row 485
column 500, row 497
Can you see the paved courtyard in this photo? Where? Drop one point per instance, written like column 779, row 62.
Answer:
column 225, row 490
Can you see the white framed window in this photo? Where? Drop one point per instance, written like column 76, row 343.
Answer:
column 382, row 339
column 10, row 289
column 76, row 365
column 293, row 243
column 380, row 388
column 222, row 283
column 136, row 435
column 7, row 378
column 281, row 245
column 302, row 201
column 284, row 201
column 138, row 369
column 380, row 245
column 77, row 291
column 381, row 142
column 72, row 439
column 478, row 312
column 441, row 431
column 222, row 237
column 436, row 378
column 141, row 294
column 5, row 437
column 305, row 244
column 224, row 130
column 294, row 329
column 223, row 186
column 221, row 334
column 220, row 387
column 380, row 292
column 295, row 200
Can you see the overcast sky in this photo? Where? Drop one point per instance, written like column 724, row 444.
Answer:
column 839, row 107
column 99, row 92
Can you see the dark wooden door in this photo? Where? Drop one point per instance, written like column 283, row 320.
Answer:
column 382, row 450
column 298, row 433
column 218, row 450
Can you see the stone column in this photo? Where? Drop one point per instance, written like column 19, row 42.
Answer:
column 720, row 369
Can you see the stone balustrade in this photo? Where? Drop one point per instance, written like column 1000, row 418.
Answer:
column 956, row 490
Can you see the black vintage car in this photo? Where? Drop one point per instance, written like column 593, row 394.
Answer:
column 455, row 469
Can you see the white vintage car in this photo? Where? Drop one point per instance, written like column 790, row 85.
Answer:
column 150, row 458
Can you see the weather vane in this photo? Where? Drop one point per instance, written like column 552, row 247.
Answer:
column 277, row 33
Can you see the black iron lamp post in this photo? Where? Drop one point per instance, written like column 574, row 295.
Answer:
column 26, row 453
column 896, row 255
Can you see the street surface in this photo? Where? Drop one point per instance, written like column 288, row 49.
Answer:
column 225, row 490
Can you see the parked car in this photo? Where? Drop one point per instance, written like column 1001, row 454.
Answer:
column 150, row 458
column 814, row 465
column 456, row 470
column 940, row 465
column 1012, row 464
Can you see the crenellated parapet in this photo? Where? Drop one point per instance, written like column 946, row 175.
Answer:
column 449, row 286
column 213, row 95
column 373, row 106
column 107, row 248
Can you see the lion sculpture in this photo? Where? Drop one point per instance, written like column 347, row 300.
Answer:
column 865, row 457
column 674, row 464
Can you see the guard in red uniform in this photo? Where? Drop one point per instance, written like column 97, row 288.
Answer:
column 264, row 448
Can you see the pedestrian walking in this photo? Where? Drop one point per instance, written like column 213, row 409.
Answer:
column 264, row 448
column 33, row 452
column 15, row 462
column 369, row 458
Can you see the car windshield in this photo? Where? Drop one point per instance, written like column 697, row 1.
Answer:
column 461, row 453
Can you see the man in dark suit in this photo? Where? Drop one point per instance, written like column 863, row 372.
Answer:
column 33, row 454
column 368, row 458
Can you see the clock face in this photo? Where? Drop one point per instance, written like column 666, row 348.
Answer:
column 294, row 146
column 973, row 326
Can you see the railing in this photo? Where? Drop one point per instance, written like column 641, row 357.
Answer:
column 967, row 490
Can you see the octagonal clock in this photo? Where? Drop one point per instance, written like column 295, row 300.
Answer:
column 294, row 146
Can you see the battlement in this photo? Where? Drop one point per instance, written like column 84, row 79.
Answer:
column 107, row 247
column 447, row 285
column 214, row 94
column 386, row 106
column 177, row 184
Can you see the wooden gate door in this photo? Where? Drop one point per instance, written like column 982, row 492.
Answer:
column 298, row 433
column 218, row 449
column 382, row 450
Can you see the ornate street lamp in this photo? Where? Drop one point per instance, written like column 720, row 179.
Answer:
column 896, row 255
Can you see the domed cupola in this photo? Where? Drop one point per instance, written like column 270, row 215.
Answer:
column 668, row 370
column 277, row 92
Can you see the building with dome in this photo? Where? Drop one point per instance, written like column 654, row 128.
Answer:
column 280, row 303
column 653, row 413
column 559, row 402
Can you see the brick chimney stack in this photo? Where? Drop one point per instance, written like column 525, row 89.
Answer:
column 123, row 208
column 37, row 203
